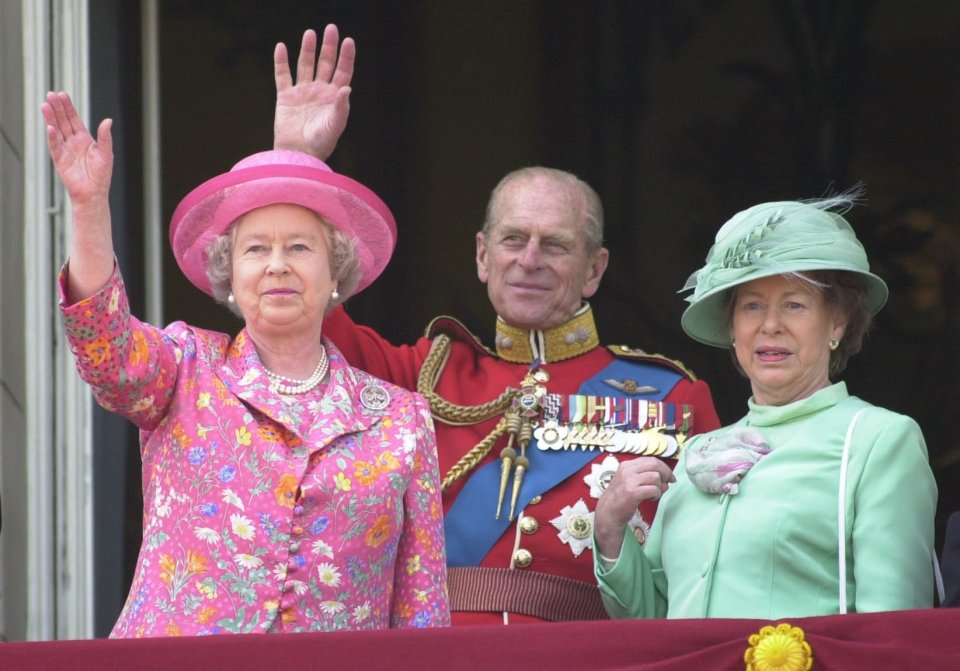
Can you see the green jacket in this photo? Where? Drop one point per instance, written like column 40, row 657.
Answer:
column 771, row 550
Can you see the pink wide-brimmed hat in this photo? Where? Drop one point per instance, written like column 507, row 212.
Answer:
column 273, row 177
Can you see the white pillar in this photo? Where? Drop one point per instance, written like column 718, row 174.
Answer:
column 59, row 462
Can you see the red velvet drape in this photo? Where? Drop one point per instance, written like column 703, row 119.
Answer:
column 899, row 641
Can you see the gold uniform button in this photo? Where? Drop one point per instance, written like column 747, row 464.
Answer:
column 535, row 500
column 522, row 558
column 529, row 525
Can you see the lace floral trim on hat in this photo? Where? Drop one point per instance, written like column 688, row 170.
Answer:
column 718, row 464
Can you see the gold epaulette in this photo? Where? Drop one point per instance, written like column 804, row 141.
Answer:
column 456, row 330
column 634, row 354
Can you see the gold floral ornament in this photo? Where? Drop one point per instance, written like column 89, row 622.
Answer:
column 780, row 648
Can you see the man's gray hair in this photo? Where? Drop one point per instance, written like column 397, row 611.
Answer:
column 580, row 193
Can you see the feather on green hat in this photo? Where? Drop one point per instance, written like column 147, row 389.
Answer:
column 774, row 239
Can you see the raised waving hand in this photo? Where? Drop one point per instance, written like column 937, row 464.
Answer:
column 312, row 113
column 85, row 167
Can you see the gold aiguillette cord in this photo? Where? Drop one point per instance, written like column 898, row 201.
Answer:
column 507, row 456
column 521, row 464
column 519, row 427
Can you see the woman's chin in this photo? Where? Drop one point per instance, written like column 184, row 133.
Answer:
column 286, row 322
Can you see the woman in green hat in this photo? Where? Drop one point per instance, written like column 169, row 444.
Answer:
column 816, row 502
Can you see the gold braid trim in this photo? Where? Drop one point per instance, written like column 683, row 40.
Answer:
column 442, row 409
column 470, row 460
column 460, row 415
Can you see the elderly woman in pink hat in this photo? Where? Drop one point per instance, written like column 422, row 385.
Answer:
column 284, row 490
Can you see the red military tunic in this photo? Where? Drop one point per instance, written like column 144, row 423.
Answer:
column 534, row 571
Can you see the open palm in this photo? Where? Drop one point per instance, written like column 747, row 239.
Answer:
column 85, row 166
column 312, row 114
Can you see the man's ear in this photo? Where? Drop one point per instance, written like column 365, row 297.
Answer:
column 595, row 271
column 482, row 257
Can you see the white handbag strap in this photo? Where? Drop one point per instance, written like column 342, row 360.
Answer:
column 842, row 514
column 842, row 525
column 937, row 577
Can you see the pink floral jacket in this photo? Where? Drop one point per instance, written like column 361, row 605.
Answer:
column 265, row 513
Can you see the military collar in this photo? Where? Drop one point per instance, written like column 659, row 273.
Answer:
column 575, row 337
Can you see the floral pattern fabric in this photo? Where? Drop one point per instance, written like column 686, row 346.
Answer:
column 262, row 512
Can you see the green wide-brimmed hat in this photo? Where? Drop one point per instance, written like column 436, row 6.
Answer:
column 774, row 239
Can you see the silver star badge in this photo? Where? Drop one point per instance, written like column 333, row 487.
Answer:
column 575, row 527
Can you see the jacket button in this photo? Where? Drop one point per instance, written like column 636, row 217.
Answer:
column 529, row 525
column 522, row 558
column 535, row 500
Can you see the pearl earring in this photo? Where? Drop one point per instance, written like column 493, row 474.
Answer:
column 230, row 298
column 834, row 343
column 335, row 295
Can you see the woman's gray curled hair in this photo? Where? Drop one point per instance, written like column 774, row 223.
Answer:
column 344, row 265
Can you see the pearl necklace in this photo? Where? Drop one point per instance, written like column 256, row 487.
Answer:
column 286, row 385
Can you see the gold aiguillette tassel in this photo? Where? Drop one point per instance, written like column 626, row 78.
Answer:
column 507, row 457
column 521, row 463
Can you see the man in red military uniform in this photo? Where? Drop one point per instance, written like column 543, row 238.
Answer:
column 528, row 433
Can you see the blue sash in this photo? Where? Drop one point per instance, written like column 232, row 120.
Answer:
column 471, row 526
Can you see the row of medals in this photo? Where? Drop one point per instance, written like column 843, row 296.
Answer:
column 650, row 442
column 554, row 435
